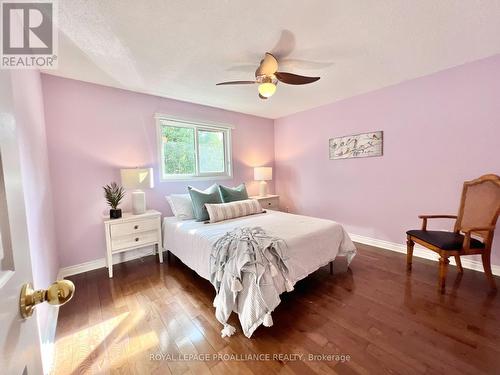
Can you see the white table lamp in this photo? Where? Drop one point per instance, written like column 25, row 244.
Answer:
column 138, row 178
column 263, row 174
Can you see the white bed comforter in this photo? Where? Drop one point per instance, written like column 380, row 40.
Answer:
column 310, row 242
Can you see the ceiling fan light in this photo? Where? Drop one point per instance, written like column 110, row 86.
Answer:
column 267, row 89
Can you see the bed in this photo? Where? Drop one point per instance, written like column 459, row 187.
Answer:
column 311, row 243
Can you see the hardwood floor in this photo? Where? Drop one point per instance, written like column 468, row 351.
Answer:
column 386, row 321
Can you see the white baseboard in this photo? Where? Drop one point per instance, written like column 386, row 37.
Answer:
column 418, row 251
column 101, row 262
column 421, row 252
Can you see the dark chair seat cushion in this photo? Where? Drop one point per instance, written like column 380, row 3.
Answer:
column 444, row 240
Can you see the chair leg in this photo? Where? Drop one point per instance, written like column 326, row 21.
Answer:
column 487, row 270
column 443, row 268
column 409, row 253
column 459, row 263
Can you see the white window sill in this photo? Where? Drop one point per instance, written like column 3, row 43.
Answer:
column 201, row 178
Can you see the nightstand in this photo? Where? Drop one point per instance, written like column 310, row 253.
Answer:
column 132, row 232
column 269, row 202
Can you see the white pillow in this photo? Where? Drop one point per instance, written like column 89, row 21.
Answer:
column 181, row 206
column 231, row 210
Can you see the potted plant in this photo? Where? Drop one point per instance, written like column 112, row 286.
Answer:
column 114, row 194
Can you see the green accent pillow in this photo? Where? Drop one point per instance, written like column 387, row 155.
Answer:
column 200, row 197
column 237, row 193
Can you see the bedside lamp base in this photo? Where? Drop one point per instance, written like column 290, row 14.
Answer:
column 263, row 189
column 138, row 202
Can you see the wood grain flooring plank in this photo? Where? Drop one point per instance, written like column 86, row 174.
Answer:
column 386, row 320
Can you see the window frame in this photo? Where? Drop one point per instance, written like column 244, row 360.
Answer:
column 164, row 120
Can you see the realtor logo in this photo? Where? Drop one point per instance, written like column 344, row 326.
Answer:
column 28, row 35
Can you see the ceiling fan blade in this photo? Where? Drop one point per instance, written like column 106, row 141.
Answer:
column 294, row 79
column 268, row 66
column 285, row 45
column 236, row 83
column 262, row 97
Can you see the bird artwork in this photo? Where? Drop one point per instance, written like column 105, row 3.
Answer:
column 356, row 146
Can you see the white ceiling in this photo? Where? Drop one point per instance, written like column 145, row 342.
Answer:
column 180, row 49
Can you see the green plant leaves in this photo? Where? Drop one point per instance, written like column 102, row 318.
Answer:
column 113, row 194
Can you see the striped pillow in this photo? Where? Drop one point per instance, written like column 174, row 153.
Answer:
column 231, row 210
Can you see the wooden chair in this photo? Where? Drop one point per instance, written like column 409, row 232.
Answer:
column 477, row 215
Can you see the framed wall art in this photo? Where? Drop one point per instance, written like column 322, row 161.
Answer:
column 356, row 146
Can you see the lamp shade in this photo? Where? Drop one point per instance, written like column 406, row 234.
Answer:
column 137, row 178
column 263, row 173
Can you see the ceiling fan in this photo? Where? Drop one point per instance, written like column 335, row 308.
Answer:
column 267, row 77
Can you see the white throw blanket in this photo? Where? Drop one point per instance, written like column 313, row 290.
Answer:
column 248, row 269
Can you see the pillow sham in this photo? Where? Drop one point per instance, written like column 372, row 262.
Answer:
column 237, row 193
column 200, row 197
column 231, row 210
column 181, row 206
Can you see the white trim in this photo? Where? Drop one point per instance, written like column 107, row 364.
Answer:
column 189, row 122
column 101, row 262
column 48, row 335
column 196, row 126
column 5, row 276
column 48, row 338
column 420, row 252
column 197, row 178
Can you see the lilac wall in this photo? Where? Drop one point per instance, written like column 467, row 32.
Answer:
column 439, row 130
column 28, row 102
column 93, row 131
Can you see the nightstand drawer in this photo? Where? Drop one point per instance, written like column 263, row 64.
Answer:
column 131, row 232
column 269, row 204
column 134, row 240
column 133, row 227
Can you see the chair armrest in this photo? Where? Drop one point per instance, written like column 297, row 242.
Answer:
column 468, row 231
column 425, row 217
column 437, row 216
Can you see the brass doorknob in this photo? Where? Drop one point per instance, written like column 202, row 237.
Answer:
column 57, row 294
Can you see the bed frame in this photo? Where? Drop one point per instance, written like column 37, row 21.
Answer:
column 331, row 263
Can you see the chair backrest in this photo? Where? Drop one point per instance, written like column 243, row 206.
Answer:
column 480, row 204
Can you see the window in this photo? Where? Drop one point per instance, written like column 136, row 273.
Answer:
column 190, row 150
